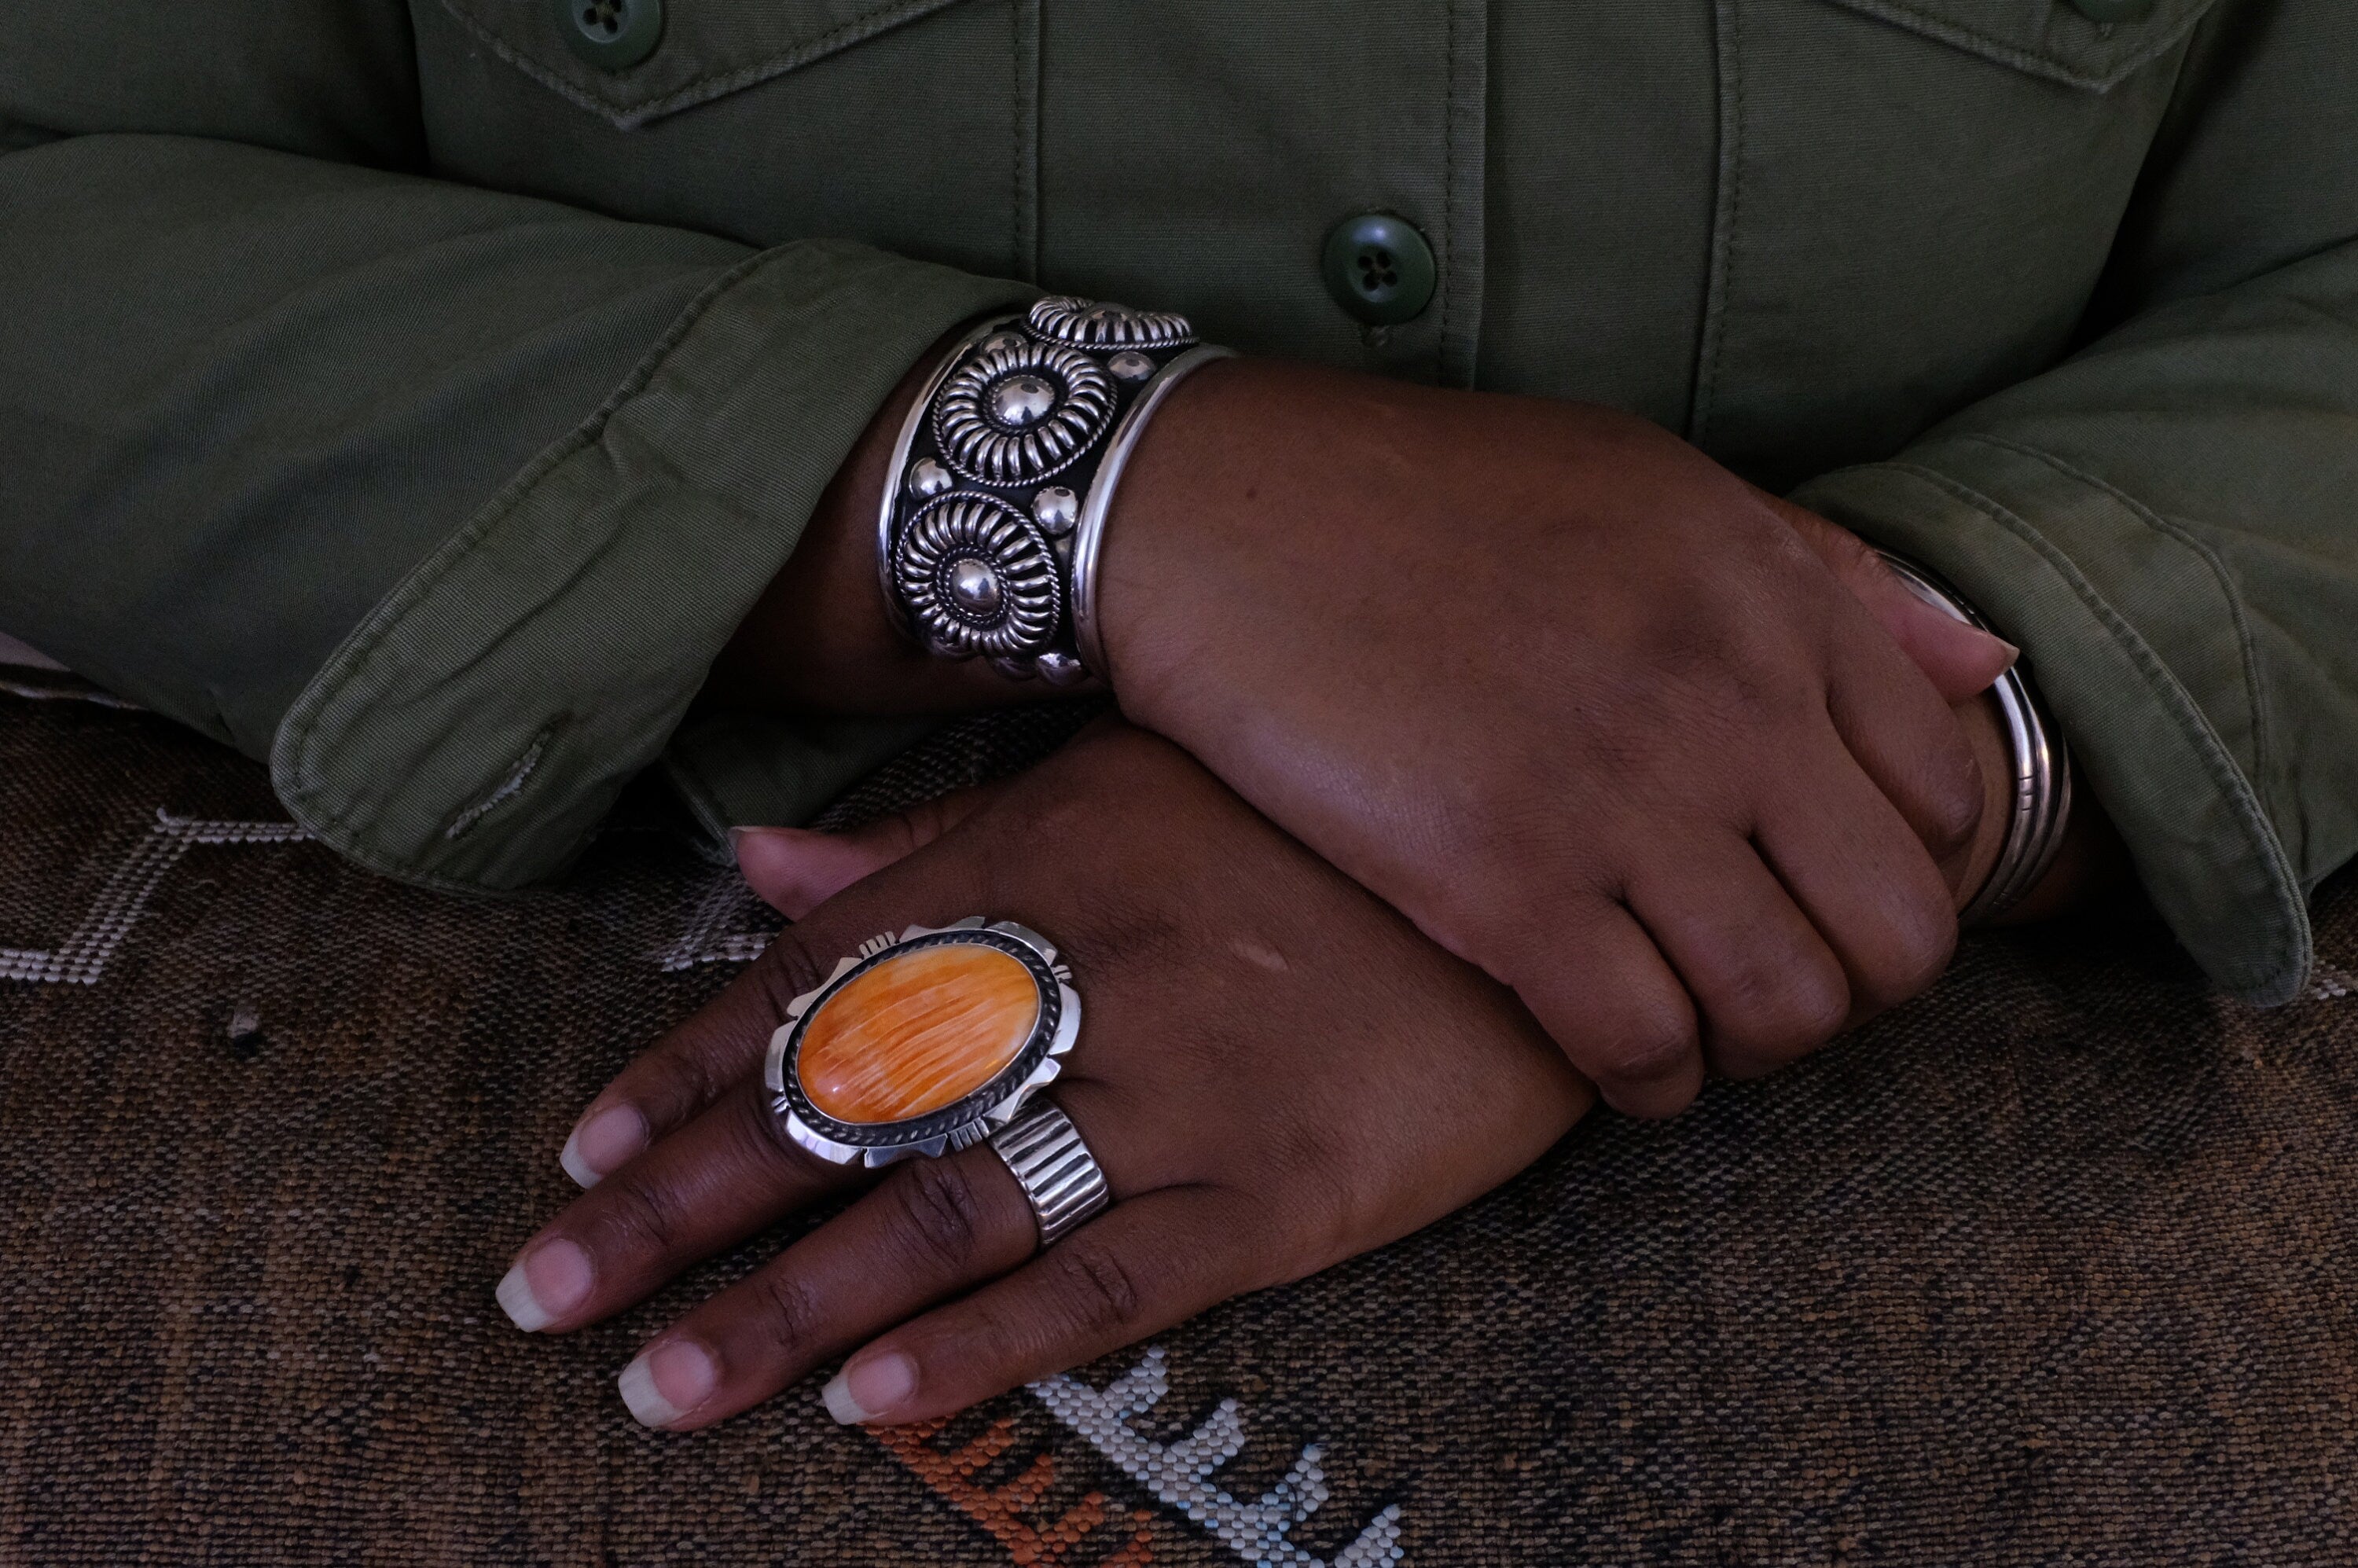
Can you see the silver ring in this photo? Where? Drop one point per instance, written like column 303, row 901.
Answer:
column 857, row 1073
column 1061, row 1178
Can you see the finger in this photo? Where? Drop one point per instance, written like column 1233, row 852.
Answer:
column 795, row 869
column 932, row 1229
column 1602, row 989
column 715, row 1181
column 1907, row 740
column 1959, row 660
column 1142, row 1267
column 695, row 1063
column 1865, row 880
column 1767, row 986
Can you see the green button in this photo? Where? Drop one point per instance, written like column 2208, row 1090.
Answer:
column 612, row 35
column 2113, row 10
column 1380, row 269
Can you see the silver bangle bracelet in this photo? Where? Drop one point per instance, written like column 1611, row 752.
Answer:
column 991, row 525
column 2043, row 764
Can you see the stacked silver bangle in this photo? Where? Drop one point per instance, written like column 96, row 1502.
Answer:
column 2042, row 764
column 989, row 535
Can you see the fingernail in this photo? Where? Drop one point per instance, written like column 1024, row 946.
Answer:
column 2013, row 654
column 545, row 1284
column 871, row 1388
column 798, row 869
column 603, row 1142
column 667, row 1382
column 738, row 837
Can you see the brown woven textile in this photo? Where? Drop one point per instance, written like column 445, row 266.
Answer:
column 2052, row 1267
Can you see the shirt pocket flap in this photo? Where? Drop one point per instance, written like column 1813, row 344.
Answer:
column 708, row 49
column 2054, row 38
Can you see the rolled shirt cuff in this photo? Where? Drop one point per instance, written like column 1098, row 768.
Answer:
column 2133, row 635
column 473, row 732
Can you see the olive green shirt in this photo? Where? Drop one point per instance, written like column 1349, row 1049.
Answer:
column 418, row 395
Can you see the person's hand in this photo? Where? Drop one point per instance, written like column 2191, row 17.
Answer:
column 1274, row 1069
column 1593, row 712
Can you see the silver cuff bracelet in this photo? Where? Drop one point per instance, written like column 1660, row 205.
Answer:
column 988, row 537
column 2042, row 764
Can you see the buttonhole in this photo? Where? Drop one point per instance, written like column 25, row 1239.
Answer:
column 508, row 790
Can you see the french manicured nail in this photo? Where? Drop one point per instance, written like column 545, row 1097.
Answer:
column 603, row 1142
column 798, row 869
column 871, row 1388
column 2013, row 654
column 667, row 1382
column 545, row 1283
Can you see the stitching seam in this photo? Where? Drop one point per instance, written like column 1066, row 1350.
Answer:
column 507, row 791
column 2246, row 645
column 701, row 89
column 1730, row 208
column 1949, row 31
column 1448, row 191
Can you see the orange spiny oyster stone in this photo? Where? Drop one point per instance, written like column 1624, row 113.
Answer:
column 919, row 1031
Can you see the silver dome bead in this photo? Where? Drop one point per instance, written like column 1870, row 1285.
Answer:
column 976, row 589
column 1060, row 669
column 1057, row 509
column 1002, row 342
column 1017, row 416
column 1022, row 401
column 1130, row 365
column 928, row 477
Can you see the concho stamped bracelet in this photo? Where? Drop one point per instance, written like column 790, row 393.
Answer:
column 988, row 532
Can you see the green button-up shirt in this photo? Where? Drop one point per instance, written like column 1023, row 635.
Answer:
column 417, row 398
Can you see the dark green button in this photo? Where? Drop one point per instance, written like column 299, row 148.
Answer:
column 612, row 35
column 1380, row 269
column 2113, row 10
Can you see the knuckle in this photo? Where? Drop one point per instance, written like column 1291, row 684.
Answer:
column 789, row 1313
column 1648, row 1051
column 1095, row 1285
column 761, row 1132
column 1952, row 806
column 1919, row 944
column 1307, row 1187
column 635, row 1217
column 941, row 1214
column 788, row 968
column 1776, row 1012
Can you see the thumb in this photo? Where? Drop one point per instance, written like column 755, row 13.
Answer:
column 795, row 869
column 1961, row 661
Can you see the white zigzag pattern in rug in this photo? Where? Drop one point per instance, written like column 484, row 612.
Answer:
column 83, row 955
column 1180, row 1474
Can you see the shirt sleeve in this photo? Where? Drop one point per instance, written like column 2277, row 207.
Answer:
column 2168, row 522
column 442, row 500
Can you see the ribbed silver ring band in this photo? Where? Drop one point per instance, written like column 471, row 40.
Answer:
column 1056, row 1169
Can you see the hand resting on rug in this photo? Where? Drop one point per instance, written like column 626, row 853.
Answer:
column 1275, row 1070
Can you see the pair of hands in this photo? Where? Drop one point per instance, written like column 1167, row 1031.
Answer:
column 1597, row 766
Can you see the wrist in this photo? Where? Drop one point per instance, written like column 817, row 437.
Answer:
column 820, row 639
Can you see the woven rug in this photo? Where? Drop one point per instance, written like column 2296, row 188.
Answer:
column 2052, row 1267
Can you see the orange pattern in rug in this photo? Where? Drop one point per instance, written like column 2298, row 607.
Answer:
column 1000, row 1510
